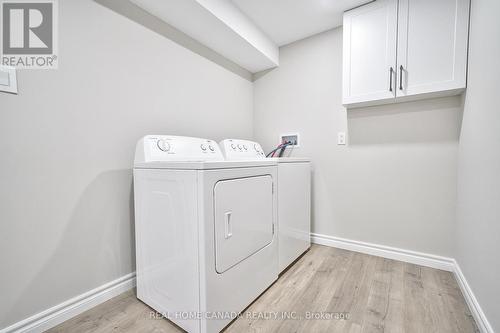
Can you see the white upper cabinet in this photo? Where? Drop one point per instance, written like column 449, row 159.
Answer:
column 428, row 54
column 370, row 34
column 432, row 46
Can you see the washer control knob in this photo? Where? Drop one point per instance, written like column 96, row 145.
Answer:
column 239, row 147
column 245, row 147
column 256, row 147
column 233, row 146
column 211, row 147
column 162, row 145
column 203, row 147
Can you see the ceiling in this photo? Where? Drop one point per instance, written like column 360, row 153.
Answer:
column 248, row 33
column 286, row 21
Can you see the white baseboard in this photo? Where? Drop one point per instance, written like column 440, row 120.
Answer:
column 423, row 259
column 54, row 316
column 478, row 314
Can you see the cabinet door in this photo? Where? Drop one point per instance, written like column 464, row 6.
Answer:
column 432, row 46
column 369, row 52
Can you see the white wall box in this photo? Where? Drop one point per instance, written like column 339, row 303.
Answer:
column 400, row 50
column 8, row 79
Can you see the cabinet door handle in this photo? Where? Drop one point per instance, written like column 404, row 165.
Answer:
column 401, row 77
column 390, row 78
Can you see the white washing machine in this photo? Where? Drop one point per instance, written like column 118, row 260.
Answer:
column 206, row 245
column 294, row 208
column 294, row 197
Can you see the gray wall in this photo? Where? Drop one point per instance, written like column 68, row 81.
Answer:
column 67, row 143
column 395, row 183
column 478, row 227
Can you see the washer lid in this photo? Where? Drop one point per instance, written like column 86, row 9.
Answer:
column 291, row 159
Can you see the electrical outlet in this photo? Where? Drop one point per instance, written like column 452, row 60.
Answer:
column 341, row 138
column 8, row 79
column 293, row 138
column 4, row 78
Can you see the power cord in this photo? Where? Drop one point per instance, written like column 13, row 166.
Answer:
column 282, row 147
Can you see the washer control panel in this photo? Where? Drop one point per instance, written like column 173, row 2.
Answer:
column 153, row 148
column 236, row 149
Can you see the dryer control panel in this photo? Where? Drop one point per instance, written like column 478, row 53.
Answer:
column 235, row 149
column 155, row 148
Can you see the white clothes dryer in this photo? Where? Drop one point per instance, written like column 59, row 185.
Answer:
column 206, row 245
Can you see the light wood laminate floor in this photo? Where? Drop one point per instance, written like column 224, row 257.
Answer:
column 376, row 294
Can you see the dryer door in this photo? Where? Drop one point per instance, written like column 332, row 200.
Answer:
column 243, row 219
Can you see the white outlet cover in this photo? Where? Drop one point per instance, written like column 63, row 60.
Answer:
column 4, row 78
column 341, row 139
column 8, row 79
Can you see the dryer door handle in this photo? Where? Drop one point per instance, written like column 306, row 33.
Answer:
column 227, row 224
